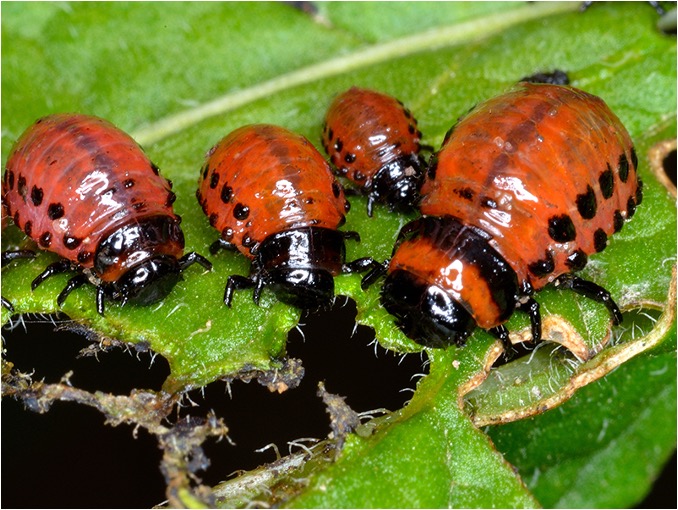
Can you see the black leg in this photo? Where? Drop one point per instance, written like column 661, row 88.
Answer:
column 74, row 283
column 10, row 255
column 377, row 271
column 55, row 268
column 258, row 288
column 502, row 334
column 591, row 291
column 236, row 282
column 352, row 235
column 220, row 244
column 7, row 257
column 359, row 265
column 192, row 258
column 531, row 308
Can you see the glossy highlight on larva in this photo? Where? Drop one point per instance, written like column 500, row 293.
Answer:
column 271, row 195
column 373, row 140
column 524, row 189
column 83, row 189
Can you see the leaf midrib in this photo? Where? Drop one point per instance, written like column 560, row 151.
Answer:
column 440, row 37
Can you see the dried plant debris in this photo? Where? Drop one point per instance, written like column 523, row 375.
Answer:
column 286, row 374
column 343, row 419
column 181, row 443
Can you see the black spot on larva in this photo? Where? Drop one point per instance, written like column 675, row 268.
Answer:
column 630, row 207
column 45, row 239
column 330, row 134
column 623, row 166
column 634, row 158
column 561, row 228
column 338, row 145
column 22, row 187
column 347, row 207
column 488, row 203
column 359, row 176
column 342, row 222
column 465, row 193
column 309, row 201
column 28, row 228
column 171, row 198
column 606, row 182
column 155, row 169
column 128, row 183
column 336, row 189
column 71, row 242
column 577, row 260
column 213, row 219
column 542, row 267
column 349, row 157
column 449, row 134
column 586, row 203
column 241, row 212
column 9, row 177
column 138, row 206
column 408, row 114
column 432, row 167
column 639, row 192
column 247, row 241
column 618, row 220
column 599, row 240
column 36, row 195
column 205, row 170
column 55, row 211
column 226, row 194
column 16, row 218
column 411, row 129
column 214, row 181
column 85, row 256
column 227, row 234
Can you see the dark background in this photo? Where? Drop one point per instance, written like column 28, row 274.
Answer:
column 67, row 458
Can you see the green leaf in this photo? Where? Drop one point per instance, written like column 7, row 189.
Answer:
column 179, row 76
column 603, row 448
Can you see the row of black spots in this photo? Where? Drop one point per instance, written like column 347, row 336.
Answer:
column 561, row 227
column 412, row 127
column 334, row 147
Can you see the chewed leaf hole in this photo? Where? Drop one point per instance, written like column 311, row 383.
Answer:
column 662, row 156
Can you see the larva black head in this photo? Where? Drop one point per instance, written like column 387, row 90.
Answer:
column 425, row 313
column 446, row 279
column 148, row 282
column 398, row 183
column 299, row 265
column 139, row 262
